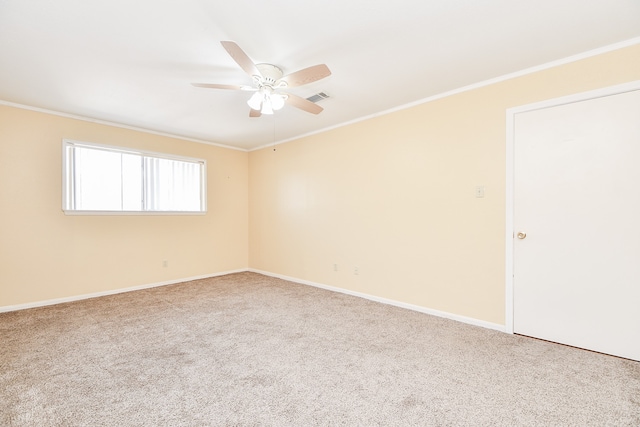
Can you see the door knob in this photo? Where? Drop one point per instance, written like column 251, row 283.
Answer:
column 521, row 235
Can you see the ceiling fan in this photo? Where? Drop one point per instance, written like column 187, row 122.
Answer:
column 268, row 83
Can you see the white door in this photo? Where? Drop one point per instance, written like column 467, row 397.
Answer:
column 577, row 198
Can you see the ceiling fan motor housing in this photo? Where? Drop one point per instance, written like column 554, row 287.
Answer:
column 270, row 73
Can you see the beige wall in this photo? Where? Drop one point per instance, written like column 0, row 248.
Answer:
column 45, row 254
column 394, row 195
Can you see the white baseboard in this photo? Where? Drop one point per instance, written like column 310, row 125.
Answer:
column 446, row 315
column 8, row 308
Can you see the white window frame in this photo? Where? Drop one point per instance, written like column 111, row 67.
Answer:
column 67, row 179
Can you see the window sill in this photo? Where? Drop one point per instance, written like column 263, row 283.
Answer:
column 133, row 213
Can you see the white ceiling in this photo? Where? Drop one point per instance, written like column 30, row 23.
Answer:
column 132, row 62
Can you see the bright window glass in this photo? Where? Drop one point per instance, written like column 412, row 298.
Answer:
column 114, row 180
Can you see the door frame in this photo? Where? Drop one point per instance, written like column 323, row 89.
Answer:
column 510, row 196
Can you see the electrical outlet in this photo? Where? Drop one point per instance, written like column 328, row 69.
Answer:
column 165, row 263
column 356, row 270
column 335, row 267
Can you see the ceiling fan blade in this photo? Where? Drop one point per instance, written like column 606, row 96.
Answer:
column 216, row 86
column 307, row 75
column 241, row 58
column 254, row 113
column 303, row 104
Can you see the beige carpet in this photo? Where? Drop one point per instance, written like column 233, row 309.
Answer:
column 250, row 350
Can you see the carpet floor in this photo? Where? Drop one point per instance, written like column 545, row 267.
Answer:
column 251, row 350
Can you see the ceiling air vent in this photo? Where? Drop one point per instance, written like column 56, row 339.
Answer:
column 318, row 97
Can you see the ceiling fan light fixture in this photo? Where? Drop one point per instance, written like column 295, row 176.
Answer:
column 267, row 108
column 255, row 102
column 277, row 101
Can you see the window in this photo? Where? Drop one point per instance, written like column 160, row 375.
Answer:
column 112, row 180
